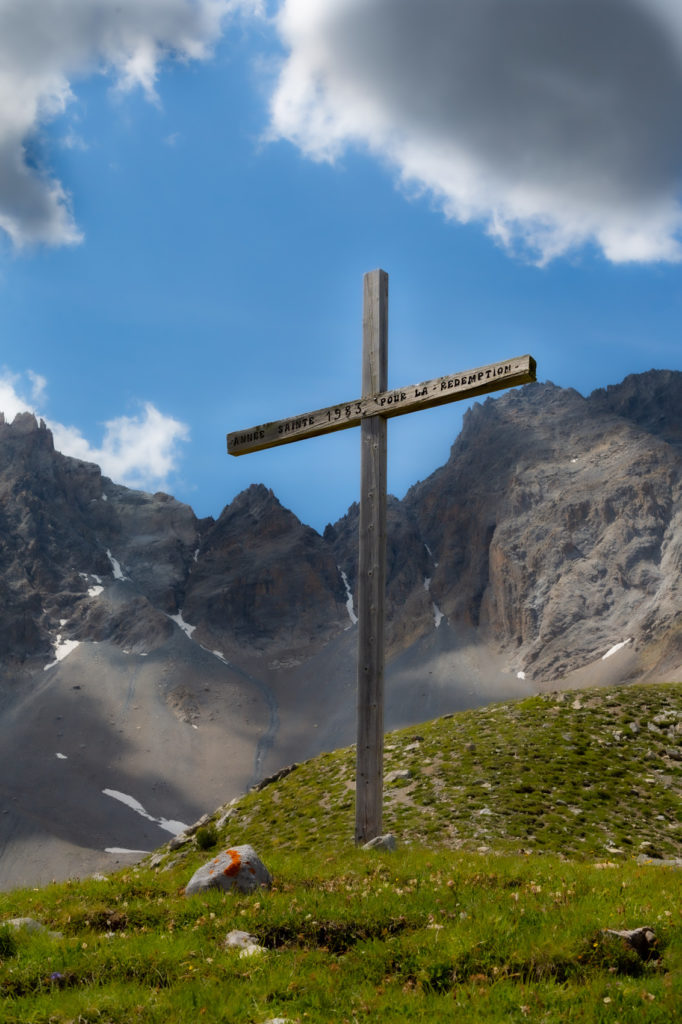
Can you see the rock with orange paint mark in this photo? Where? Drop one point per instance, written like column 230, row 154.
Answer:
column 237, row 868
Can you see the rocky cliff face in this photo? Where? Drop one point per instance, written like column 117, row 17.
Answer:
column 555, row 524
column 66, row 533
column 551, row 533
column 263, row 580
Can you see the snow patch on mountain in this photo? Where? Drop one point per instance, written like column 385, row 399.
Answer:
column 62, row 649
column 116, row 567
column 349, row 599
column 184, row 626
column 174, row 827
column 616, row 647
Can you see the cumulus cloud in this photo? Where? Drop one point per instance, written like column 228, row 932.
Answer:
column 140, row 451
column 554, row 122
column 45, row 46
column 17, row 395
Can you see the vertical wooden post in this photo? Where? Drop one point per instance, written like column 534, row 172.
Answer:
column 372, row 565
column 369, row 414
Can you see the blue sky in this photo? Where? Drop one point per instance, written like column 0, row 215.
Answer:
column 189, row 209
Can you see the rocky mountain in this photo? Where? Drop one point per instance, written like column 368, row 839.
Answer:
column 556, row 527
column 174, row 661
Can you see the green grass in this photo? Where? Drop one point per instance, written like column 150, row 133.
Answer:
column 584, row 774
column 438, row 930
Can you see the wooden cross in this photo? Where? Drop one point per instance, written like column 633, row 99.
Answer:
column 371, row 412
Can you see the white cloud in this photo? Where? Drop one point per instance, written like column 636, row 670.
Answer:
column 45, row 45
column 140, row 451
column 38, row 386
column 554, row 122
column 12, row 400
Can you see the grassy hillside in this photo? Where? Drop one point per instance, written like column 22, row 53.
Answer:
column 582, row 774
column 525, row 829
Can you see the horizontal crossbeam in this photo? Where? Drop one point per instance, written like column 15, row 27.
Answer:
column 426, row 395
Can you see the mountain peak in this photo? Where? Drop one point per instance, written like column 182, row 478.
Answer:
column 651, row 400
column 25, row 424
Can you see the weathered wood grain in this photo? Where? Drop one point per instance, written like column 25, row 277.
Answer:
column 372, row 567
column 387, row 403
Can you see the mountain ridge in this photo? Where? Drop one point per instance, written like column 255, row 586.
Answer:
column 544, row 554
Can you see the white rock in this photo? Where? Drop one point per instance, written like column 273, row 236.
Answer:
column 387, row 842
column 247, row 944
column 240, row 939
column 27, row 923
column 238, row 867
column 30, row 925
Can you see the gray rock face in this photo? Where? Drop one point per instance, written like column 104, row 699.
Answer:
column 552, row 533
column 64, row 528
column 272, row 579
column 554, row 524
